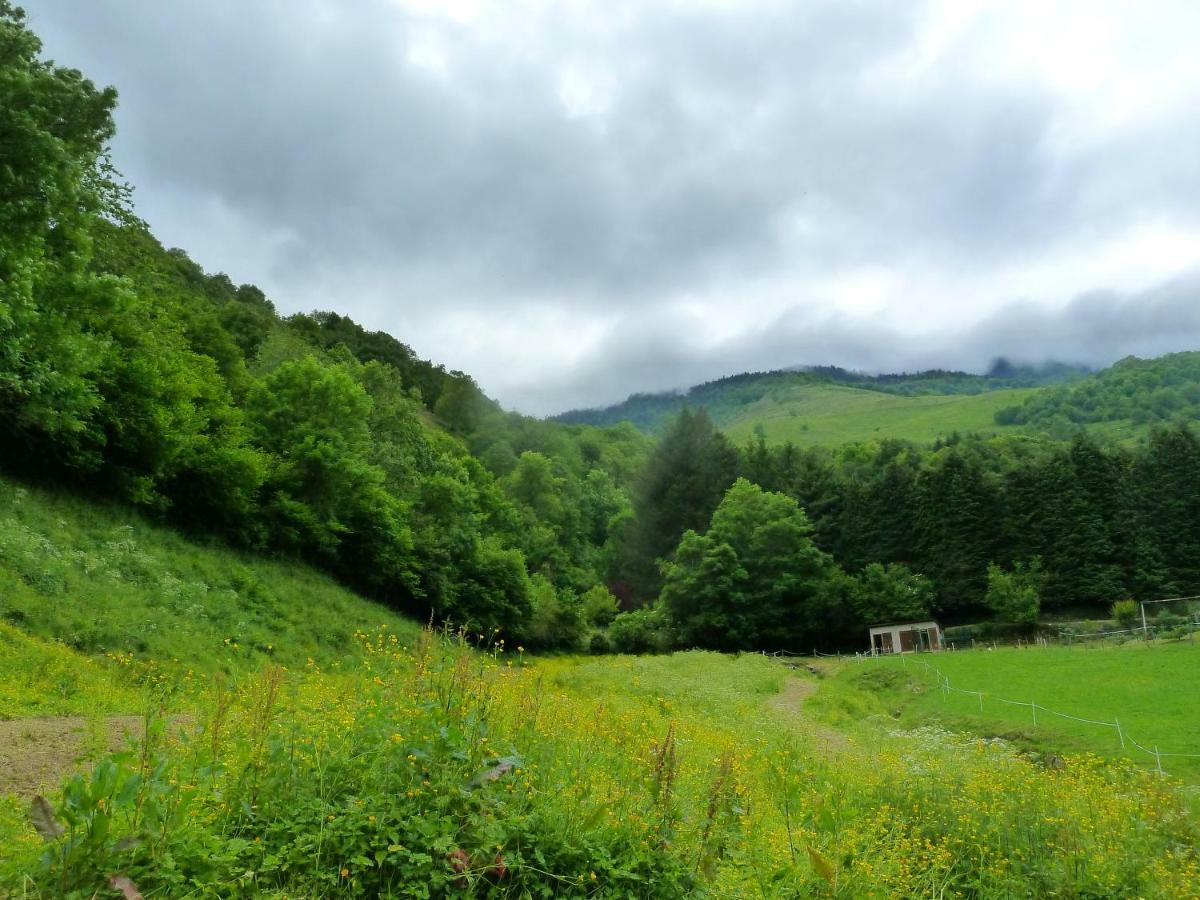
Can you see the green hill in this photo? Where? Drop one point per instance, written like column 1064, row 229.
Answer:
column 831, row 414
column 1119, row 402
column 101, row 580
column 829, row 406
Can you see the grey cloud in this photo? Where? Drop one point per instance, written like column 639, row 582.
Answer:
column 1094, row 329
column 721, row 125
column 395, row 191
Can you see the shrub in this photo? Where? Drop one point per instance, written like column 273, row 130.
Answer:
column 599, row 643
column 1125, row 612
column 641, row 631
column 557, row 622
column 600, row 607
column 1015, row 596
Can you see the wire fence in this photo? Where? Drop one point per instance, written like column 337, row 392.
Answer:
column 1125, row 739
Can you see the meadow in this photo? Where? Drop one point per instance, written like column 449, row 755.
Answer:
column 437, row 768
column 1147, row 688
column 832, row 415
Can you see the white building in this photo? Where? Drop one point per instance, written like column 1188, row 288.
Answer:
column 905, row 638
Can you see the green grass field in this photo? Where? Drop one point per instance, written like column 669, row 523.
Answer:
column 1150, row 690
column 831, row 414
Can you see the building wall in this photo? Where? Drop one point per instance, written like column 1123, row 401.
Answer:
column 905, row 638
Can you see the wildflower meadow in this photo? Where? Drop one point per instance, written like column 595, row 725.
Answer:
column 449, row 765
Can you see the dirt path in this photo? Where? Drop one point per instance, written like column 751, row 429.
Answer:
column 36, row 753
column 789, row 704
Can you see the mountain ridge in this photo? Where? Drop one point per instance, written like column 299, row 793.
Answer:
column 727, row 397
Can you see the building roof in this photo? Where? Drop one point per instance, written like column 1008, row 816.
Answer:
column 926, row 624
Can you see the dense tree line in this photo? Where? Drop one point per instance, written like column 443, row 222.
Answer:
column 1141, row 391
column 889, row 530
column 126, row 369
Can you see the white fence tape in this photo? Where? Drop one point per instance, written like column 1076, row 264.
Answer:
column 945, row 686
column 1034, row 706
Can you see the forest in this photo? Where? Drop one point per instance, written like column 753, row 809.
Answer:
column 1156, row 391
column 126, row 371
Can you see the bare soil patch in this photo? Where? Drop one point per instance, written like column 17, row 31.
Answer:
column 790, row 703
column 36, row 753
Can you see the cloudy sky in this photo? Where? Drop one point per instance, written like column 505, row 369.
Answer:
column 573, row 200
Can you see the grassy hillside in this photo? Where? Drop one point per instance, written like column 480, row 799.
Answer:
column 726, row 399
column 831, row 415
column 817, row 408
column 43, row 677
column 829, row 407
column 102, row 580
column 1141, row 687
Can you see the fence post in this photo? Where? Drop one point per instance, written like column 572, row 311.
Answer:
column 1120, row 733
column 980, row 695
column 1033, row 706
column 1158, row 761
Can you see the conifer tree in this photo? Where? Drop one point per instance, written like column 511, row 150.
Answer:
column 680, row 487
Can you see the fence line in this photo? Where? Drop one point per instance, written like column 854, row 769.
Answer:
column 1066, row 634
column 946, row 687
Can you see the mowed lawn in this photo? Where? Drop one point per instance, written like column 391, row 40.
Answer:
column 1151, row 689
column 830, row 415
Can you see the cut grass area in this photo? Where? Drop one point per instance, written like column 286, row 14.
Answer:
column 831, row 415
column 104, row 581
column 1149, row 689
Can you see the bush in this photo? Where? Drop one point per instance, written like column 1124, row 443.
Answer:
column 599, row 643
column 1015, row 597
column 600, row 607
column 1125, row 612
column 641, row 631
column 557, row 622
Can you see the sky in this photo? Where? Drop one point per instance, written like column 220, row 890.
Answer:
column 573, row 201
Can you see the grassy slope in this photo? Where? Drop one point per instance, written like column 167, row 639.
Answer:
column 810, row 409
column 40, row 677
column 1147, row 688
column 832, row 414
column 104, row 581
